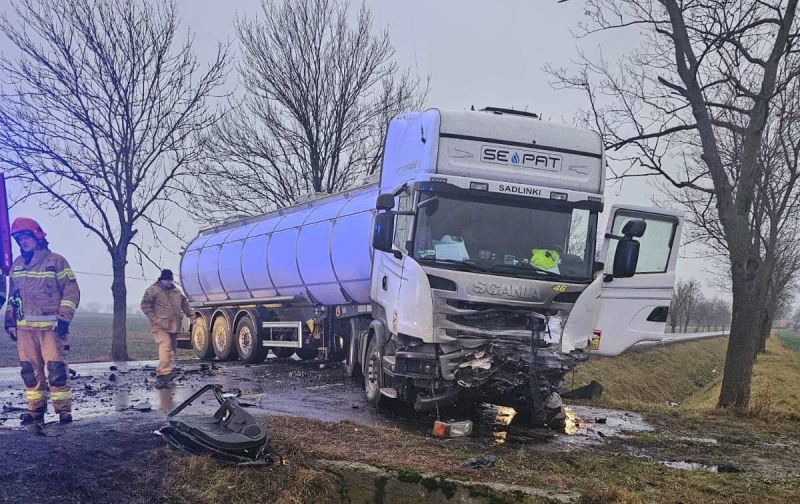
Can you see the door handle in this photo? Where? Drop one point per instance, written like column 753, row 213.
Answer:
column 385, row 283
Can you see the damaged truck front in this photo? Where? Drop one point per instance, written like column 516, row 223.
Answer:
column 473, row 274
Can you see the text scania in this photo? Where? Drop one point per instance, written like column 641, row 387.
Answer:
column 505, row 290
column 529, row 159
column 526, row 191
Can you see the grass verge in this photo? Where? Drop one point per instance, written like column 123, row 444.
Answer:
column 599, row 476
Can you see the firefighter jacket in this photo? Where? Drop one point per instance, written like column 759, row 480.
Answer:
column 164, row 308
column 41, row 292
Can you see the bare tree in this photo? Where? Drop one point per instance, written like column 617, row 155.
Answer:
column 685, row 299
column 705, row 71
column 319, row 91
column 99, row 117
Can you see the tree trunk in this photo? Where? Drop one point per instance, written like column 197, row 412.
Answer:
column 119, row 292
column 748, row 299
column 766, row 326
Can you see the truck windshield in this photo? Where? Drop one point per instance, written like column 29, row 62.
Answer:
column 538, row 241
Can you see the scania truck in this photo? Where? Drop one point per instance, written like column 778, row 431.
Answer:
column 468, row 268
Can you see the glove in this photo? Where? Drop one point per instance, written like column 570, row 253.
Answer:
column 12, row 333
column 62, row 329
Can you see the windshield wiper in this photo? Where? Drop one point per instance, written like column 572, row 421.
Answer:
column 464, row 266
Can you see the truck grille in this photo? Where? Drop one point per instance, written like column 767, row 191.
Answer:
column 462, row 318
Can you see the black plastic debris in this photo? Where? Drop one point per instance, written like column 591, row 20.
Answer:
column 112, row 377
column 231, row 436
column 112, row 368
column 592, row 391
column 485, row 462
column 601, row 420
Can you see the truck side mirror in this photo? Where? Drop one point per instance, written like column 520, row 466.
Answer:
column 383, row 232
column 385, row 202
column 634, row 228
column 626, row 257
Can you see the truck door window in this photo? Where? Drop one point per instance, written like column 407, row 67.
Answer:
column 656, row 244
column 402, row 225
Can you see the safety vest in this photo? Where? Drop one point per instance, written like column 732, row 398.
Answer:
column 545, row 258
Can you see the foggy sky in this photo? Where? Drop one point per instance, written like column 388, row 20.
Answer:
column 477, row 53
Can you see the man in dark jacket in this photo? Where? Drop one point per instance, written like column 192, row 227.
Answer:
column 164, row 304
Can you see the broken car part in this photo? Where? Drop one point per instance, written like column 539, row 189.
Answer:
column 231, row 435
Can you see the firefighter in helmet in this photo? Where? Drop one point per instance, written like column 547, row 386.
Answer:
column 43, row 297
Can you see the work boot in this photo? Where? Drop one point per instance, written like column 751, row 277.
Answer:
column 28, row 419
column 65, row 418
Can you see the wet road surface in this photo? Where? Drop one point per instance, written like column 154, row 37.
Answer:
column 108, row 391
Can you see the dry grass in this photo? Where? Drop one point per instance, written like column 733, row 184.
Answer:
column 774, row 389
column 646, row 379
column 601, row 477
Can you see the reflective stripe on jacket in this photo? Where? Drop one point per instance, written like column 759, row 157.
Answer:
column 42, row 291
column 164, row 308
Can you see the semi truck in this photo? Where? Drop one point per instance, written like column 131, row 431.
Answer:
column 469, row 267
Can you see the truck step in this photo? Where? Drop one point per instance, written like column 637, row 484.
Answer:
column 389, row 392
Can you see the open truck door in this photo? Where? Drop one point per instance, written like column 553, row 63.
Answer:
column 634, row 309
column 5, row 230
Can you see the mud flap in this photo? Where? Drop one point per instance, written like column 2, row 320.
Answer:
column 231, row 436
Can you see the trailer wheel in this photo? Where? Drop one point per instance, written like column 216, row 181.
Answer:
column 372, row 375
column 201, row 342
column 224, row 346
column 248, row 344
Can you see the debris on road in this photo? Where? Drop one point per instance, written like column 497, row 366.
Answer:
column 452, row 428
column 113, row 368
column 112, row 377
column 231, row 436
column 7, row 408
column 601, row 420
column 484, row 462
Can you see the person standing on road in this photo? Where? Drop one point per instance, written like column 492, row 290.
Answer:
column 164, row 304
column 44, row 295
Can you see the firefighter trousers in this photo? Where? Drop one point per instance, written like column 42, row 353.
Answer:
column 167, row 346
column 40, row 351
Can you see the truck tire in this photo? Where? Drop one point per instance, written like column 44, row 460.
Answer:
column 372, row 370
column 201, row 340
column 224, row 346
column 352, row 365
column 248, row 344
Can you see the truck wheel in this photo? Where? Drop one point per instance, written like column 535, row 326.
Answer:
column 372, row 373
column 224, row 346
column 248, row 344
column 352, row 364
column 201, row 342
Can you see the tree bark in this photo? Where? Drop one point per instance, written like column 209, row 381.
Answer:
column 119, row 292
column 748, row 300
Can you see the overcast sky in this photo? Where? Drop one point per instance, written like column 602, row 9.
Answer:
column 476, row 52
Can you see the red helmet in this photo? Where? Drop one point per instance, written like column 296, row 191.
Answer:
column 25, row 225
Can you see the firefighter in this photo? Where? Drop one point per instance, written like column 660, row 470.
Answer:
column 164, row 304
column 43, row 298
